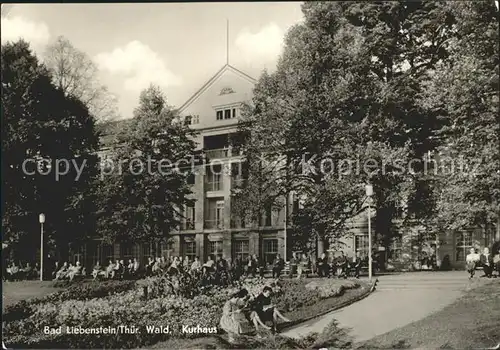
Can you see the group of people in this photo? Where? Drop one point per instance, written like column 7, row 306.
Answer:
column 326, row 266
column 244, row 313
column 486, row 260
column 15, row 272
column 216, row 269
column 68, row 271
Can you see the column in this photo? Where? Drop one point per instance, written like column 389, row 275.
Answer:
column 226, row 188
column 176, row 245
column 253, row 244
column 226, row 245
column 200, row 246
column 199, row 195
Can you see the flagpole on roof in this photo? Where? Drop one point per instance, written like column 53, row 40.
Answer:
column 227, row 41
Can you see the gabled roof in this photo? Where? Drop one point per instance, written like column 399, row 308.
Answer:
column 226, row 67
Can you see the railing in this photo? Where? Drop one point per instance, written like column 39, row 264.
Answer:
column 214, row 224
column 223, row 152
column 213, row 186
column 218, row 153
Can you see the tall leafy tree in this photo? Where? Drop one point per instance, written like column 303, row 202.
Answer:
column 463, row 92
column 74, row 72
column 142, row 196
column 41, row 124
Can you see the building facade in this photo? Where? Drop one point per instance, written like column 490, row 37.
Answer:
column 210, row 226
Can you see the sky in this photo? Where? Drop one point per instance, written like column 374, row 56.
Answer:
column 178, row 46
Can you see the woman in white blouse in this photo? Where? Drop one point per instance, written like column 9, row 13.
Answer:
column 471, row 262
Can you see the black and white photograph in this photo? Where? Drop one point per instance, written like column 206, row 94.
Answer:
column 250, row 175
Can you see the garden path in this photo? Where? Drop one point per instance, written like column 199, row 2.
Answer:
column 399, row 299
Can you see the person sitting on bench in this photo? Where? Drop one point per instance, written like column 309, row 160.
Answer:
column 486, row 260
column 496, row 261
column 117, row 270
column 471, row 261
column 341, row 265
column 63, row 272
column 97, row 271
column 75, row 271
column 109, row 269
column 356, row 265
column 322, row 266
column 278, row 266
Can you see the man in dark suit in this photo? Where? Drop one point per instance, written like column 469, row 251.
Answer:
column 278, row 266
column 486, row 260
column 322, row 266
column 356, row 265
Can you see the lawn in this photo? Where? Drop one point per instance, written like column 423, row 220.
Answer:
column 473, row 321
column 14, row 292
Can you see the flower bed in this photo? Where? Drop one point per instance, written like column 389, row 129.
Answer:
column 129, row 309
column 76, row 291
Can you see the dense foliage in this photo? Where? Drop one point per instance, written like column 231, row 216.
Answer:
column 364, row 92
column 143, row 189
column 51, row 131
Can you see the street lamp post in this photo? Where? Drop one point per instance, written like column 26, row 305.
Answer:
column 369, row 194
column 286, row 223
column 41, row 219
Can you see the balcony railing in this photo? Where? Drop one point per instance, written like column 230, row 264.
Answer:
column 223, row 152
column 214, row 224
column 213, row 186
column 218, row 153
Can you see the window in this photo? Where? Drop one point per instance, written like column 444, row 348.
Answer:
column 227, row 114
column 94, row 249
column 165, row 249
column 463, row 245
column 241, row 249
column 190, row 217
column 214, row 178
column 361, row 244
column 107, row 254
column 190, row 179
column 147, row 251
column 234, row 112
column 127, row 252
column 215, row 215
column 219, row 115
column 214, row 248
column 79, row 255
column 270, row 250
column 189, row 247
column 268, row 215
column 188, row 120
